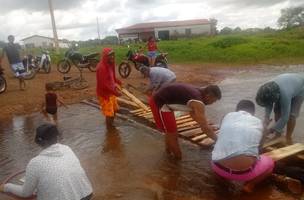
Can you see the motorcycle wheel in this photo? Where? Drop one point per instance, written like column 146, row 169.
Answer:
column 3, row 84
column 30, row 74
column 79, row 85
column 47, row 67
column 93, row 64
column 124, row 70
column 63, row 66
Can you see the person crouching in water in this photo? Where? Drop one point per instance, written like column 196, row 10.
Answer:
column 50, row 106
column 236, row 153
column 55, row 173
column 107, row 87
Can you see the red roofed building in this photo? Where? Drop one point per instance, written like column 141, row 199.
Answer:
column 168, row 29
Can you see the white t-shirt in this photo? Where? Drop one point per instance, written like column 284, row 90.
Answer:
column 240, row 134
column 56, row 174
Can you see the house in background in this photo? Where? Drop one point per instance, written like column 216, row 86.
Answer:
column 167, row 30
column 44, row 42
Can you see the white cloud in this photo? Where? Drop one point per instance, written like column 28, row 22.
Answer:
column 76, row 20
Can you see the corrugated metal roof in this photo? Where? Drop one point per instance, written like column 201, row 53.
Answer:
column 152, row 25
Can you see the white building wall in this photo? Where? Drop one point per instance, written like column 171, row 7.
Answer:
column 126, row 37
column 38, row 41
column 64, row 45
column 181, row 30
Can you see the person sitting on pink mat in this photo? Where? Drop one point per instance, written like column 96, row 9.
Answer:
column 236, row 152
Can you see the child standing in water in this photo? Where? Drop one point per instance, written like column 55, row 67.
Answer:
column 50, row 105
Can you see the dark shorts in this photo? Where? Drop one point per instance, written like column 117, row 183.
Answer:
column 51, row 110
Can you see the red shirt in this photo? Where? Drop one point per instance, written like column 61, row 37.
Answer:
column 152, row 46
column 105, row 76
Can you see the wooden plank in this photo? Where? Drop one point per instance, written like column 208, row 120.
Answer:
column 183, row 121
column 182, row 117
column 149, row 117
column 130, row 103
column 199, row 137
column 145, row 114
column 137, row 110
column 191, row 133
column 274, row 142
column 186, row 124
column 206, row 142
column 187, row 128
column 284, row 152
column 134, row 99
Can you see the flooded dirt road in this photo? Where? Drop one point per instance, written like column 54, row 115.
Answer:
column 129, row 162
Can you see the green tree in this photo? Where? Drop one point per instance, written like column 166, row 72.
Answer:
column 226, row 30
column 291, row 17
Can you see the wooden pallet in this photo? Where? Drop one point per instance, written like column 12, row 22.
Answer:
column 284, row 152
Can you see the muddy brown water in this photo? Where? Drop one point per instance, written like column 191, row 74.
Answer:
column 129, row 162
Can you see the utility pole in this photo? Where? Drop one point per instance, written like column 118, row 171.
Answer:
column 54, row 25
column 98, row 30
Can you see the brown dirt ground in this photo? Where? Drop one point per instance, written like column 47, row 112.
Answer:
column 16, row 102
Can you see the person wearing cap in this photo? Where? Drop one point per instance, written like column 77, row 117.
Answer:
column 107, row 87
column 11, row 50
column 284, row 95
column 158, row 76
column 236, row 152
column 55, row 174
column 182, row 97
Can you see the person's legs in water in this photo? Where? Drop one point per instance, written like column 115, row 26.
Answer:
column 171, row 136
column 109, row 122
column 173, row 145
column 109, row 106
column 296, row 104
column 55, row 118
column 45, row 114
column 290, row 128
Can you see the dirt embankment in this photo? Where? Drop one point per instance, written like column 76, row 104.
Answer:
column 16, row 102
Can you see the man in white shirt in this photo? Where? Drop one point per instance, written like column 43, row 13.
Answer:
column 55, row 174
column 236, row 153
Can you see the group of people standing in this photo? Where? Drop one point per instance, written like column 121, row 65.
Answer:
column 56, row 172
column 238, row 139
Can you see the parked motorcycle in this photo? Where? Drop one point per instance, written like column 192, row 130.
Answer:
column 29, row 65
column 43, row 62
column 137, row 60
column 3, row 84
column 77, row 59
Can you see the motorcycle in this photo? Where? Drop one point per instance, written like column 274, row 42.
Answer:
column 77, row 59
column 139, row 59
column 43, row 62
column 3, row 84
column 29, row 67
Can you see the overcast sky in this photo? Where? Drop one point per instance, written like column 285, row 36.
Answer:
column 76, row 19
